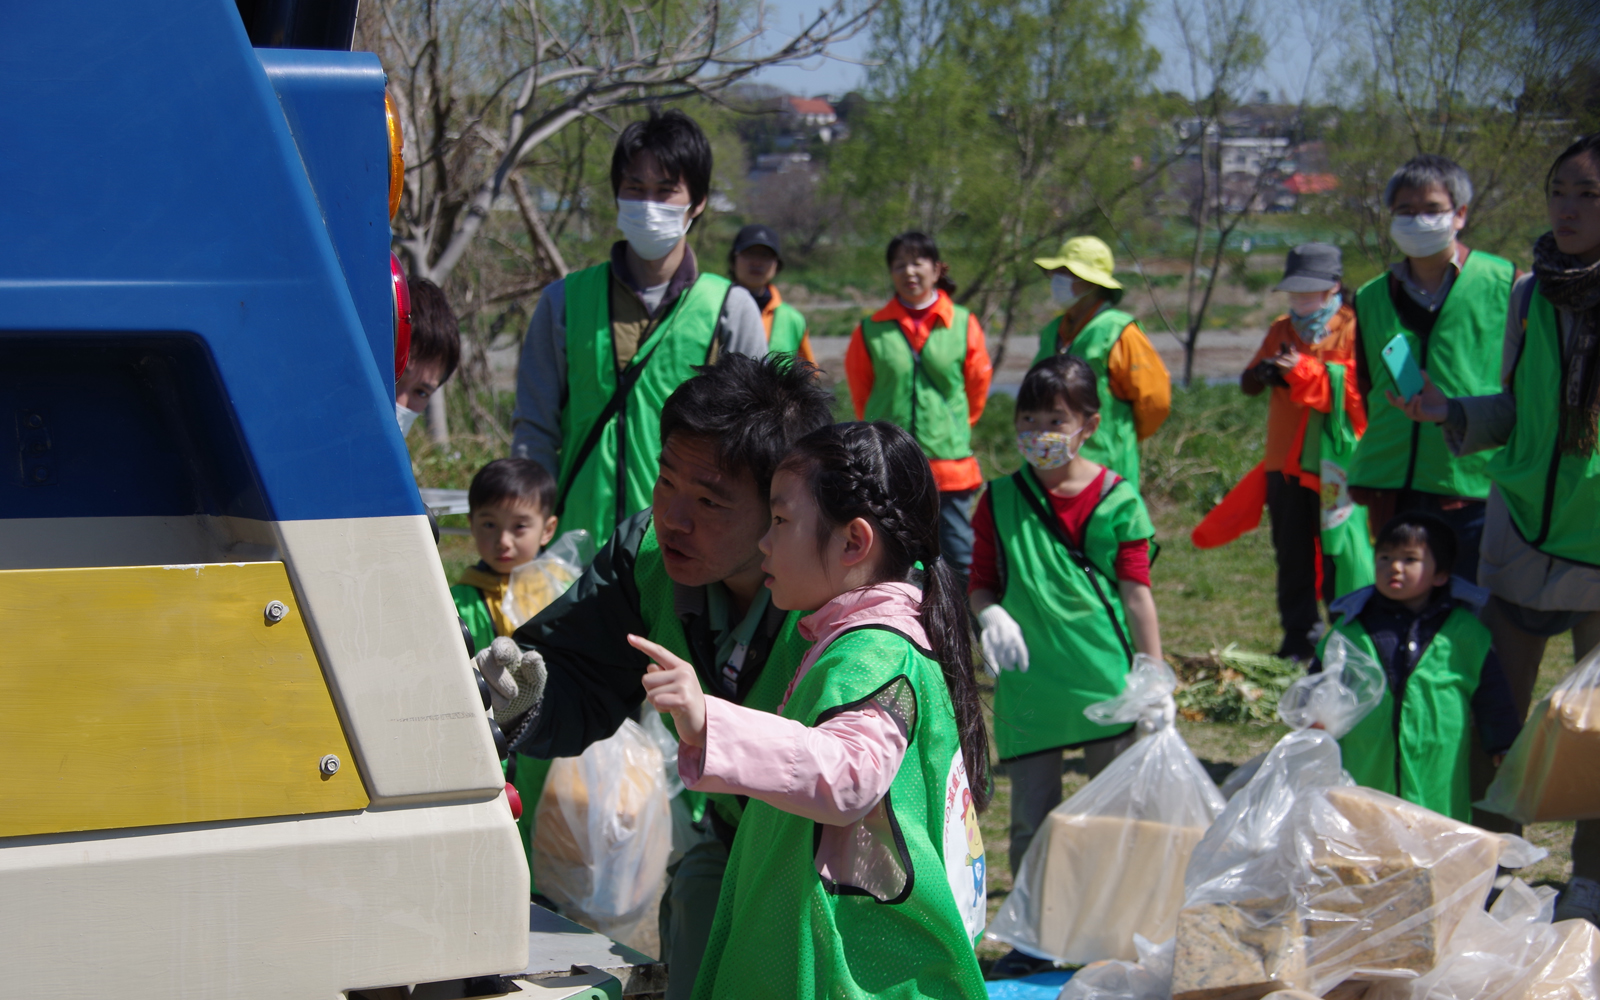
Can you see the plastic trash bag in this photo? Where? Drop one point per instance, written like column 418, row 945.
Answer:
column 1306, row 882
column 602, row 835
column 1553, row 769
column 1107, row 864
column 1350, row 685
column 1146, row 698
column 1150, row 978
column 1511, row 952
column 536, row 584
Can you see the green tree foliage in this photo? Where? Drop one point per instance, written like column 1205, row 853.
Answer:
column 1497, row 85
column 1000, row 127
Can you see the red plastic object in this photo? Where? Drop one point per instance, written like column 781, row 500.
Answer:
column 402, row 315
column 1237, row 513
column 515, row 800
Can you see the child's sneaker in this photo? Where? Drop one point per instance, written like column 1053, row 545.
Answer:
column 1581, row 900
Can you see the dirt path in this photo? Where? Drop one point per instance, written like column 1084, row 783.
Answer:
column 1222, row 355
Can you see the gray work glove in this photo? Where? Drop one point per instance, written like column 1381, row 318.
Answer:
column 515, row 677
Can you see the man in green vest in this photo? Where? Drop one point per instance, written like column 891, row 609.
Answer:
column 686, row 573
column 607, row 345
column 754, row 261
column 1448, row 304
column 1135, row 388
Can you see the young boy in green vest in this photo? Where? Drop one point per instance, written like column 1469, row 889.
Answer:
column 608, row 344
column 754, row 261
column 1421, row 624
column 1449, row 304
column 1135, row 389
column 509, row 501
column 1061, row 588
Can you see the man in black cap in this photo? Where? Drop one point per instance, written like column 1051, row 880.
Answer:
column 754, row 261
column 1318, row 331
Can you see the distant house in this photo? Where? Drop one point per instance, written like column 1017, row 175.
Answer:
column 810, row 116
column 809, row 112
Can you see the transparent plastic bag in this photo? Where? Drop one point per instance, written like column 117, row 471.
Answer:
column 1145, row 697
column 1150, row 978
column 1553, row 769
column 1350, row 685
column 1107, row 865
column 603, row 833
column 536, row 584
column 1511, row 952
column 1306, row 882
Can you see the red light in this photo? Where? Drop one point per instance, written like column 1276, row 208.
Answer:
column 402, row 316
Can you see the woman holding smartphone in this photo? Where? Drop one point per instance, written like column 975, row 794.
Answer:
column 1541, row 548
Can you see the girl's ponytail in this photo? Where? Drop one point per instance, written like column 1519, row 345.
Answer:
column 944, row 618
column 877, row 471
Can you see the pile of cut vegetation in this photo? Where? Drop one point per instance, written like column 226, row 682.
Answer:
column 1231, row 685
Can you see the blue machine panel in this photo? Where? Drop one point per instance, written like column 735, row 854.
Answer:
column 153, row 188
column 334, row 104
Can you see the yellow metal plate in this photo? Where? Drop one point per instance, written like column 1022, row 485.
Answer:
column 147, row 695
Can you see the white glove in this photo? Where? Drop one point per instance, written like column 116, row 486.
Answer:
column 1003, row 645
column 515, row 678
column 1158, row 716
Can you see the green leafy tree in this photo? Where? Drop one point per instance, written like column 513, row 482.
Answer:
column 999, row 127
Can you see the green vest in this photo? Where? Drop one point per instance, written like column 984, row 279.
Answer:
column 1552, row 496
column 1070, row 610
column 1328, row 446
column 788, row 329
column 1430, row 727
column 656, row 607
column 923, row 391
column 615, row 478
column 1115, row 444
column 901, row 919
column 1461, row 355
column 529, row 776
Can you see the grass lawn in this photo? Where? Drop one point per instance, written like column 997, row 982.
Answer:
column 1206, row 599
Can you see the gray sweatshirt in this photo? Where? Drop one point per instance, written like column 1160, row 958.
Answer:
column 542, row 368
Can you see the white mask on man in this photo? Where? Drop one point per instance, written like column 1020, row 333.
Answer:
column 1423, row 235
column 406, row 417
column 652, row 228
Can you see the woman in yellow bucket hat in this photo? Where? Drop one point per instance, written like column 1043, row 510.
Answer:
column 1135, row 389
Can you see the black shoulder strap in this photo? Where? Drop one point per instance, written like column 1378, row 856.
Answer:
column 626, row 379
column 1079, row 556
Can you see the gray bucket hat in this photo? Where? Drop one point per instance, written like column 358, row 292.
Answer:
column 1311, row 267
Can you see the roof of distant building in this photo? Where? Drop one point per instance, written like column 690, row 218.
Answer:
column 810, row 106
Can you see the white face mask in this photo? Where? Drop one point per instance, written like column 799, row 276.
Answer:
column 652, row 228
column 1061, row 291
column 1423, row 235
column 406, row 418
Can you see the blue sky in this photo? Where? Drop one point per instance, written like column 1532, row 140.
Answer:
column 1285, row 71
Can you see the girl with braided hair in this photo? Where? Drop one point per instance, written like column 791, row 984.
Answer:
column 858, row 869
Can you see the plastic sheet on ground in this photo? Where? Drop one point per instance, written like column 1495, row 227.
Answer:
column 1553, row 769
column 603, row 834
column 1040, row 986
column 536, row 584
column 1108, row 864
